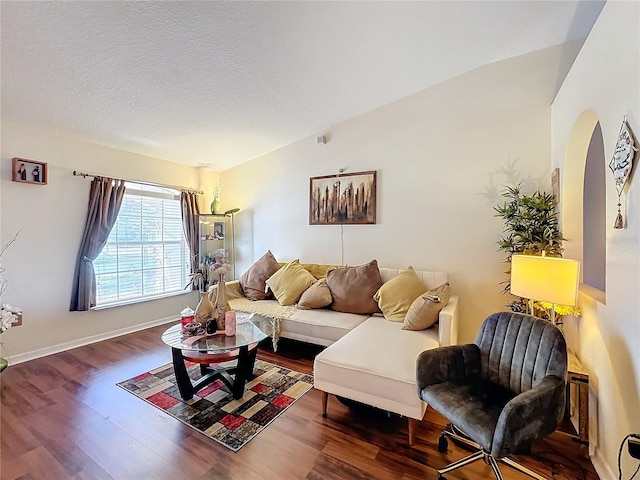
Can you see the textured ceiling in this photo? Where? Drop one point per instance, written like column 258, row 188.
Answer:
column 215, row 84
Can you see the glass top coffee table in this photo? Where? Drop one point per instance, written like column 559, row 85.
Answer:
column 211, row 350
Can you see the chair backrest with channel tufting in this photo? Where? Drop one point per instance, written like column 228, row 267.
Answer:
column 518, row 351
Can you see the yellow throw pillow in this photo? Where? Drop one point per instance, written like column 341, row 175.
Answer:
column 396, row 295
column 288, row 283
column 318, row 270
column 317, row 295
column 424, row 311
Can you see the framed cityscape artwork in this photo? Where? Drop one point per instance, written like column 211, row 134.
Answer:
column 343, row 199
column 29, row 171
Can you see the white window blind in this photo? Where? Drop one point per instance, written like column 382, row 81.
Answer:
column 146, row 255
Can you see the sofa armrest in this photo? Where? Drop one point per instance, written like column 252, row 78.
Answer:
column 448, row 323
column 234, row 290
column 530, row 415
column 447, row 364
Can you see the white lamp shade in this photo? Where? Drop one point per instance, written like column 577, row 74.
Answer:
column 546, row 279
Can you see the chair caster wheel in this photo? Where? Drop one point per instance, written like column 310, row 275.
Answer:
column 443, row 445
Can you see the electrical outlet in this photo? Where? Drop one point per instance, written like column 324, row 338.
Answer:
column 18, row 321
column 634, row 447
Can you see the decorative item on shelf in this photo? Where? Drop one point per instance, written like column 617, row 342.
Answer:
column 545, row 279
column 204, row 310
column 530, row 228
column 230, row 323
column 221, row 306
column 218, row 256
column 621, row 164
column 215, row 204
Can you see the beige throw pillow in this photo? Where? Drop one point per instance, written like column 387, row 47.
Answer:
column 353, row 288
column 253, row 281
column 397, row 294
column 424, row 311
column 317, row 295
column 288, row 283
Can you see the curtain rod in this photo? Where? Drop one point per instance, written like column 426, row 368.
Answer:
column 175, row 187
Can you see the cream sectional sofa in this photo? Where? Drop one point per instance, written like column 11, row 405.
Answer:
column 325, row 326
column 368, row 359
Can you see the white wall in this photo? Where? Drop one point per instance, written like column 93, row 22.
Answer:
column 40, row 264
column 442, row 157
column 603, row 85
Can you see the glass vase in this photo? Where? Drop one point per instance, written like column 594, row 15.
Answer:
column 221, row 306
column 204, row 310
column 215, row 206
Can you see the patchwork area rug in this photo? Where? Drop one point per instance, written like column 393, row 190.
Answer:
column 213, row 412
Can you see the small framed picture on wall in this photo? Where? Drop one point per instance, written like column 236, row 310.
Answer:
column 29, row 171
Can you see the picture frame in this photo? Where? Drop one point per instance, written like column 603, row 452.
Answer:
column 29, row 171
column 621, row 165
column 218, row 230
column 343, row 199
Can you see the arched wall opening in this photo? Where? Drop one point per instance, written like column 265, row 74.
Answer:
column 594, row 215
column 573, row 193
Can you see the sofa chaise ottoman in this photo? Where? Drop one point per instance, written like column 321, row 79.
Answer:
column 368, row 358
column 375, row 363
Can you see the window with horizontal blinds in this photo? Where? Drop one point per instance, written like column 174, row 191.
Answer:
column 146, row 255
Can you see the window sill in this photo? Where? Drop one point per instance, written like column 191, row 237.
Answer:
column 595, row 293
column 104, row 306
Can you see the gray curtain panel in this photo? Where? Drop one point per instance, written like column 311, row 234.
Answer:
column 105, row 198
column 190, row 223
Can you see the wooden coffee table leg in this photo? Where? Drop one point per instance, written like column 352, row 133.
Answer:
column 253, row 352
column 244, row 362
column 244, row 369
column 185, row 386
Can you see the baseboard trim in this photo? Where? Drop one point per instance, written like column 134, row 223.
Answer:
column 61, row 347
column 601, row 466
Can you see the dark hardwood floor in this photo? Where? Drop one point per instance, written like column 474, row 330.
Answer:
column 63, row 417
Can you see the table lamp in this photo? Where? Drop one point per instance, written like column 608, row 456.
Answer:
column 546, row 279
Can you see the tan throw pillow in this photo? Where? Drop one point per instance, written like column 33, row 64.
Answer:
column 288, row 283
column 317, row 295
column 353, row 288
column 319, row 270
column 253, row 281
column 397, row 294
column 424, row 311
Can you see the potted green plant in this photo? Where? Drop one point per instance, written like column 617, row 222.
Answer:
column 530, row 228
